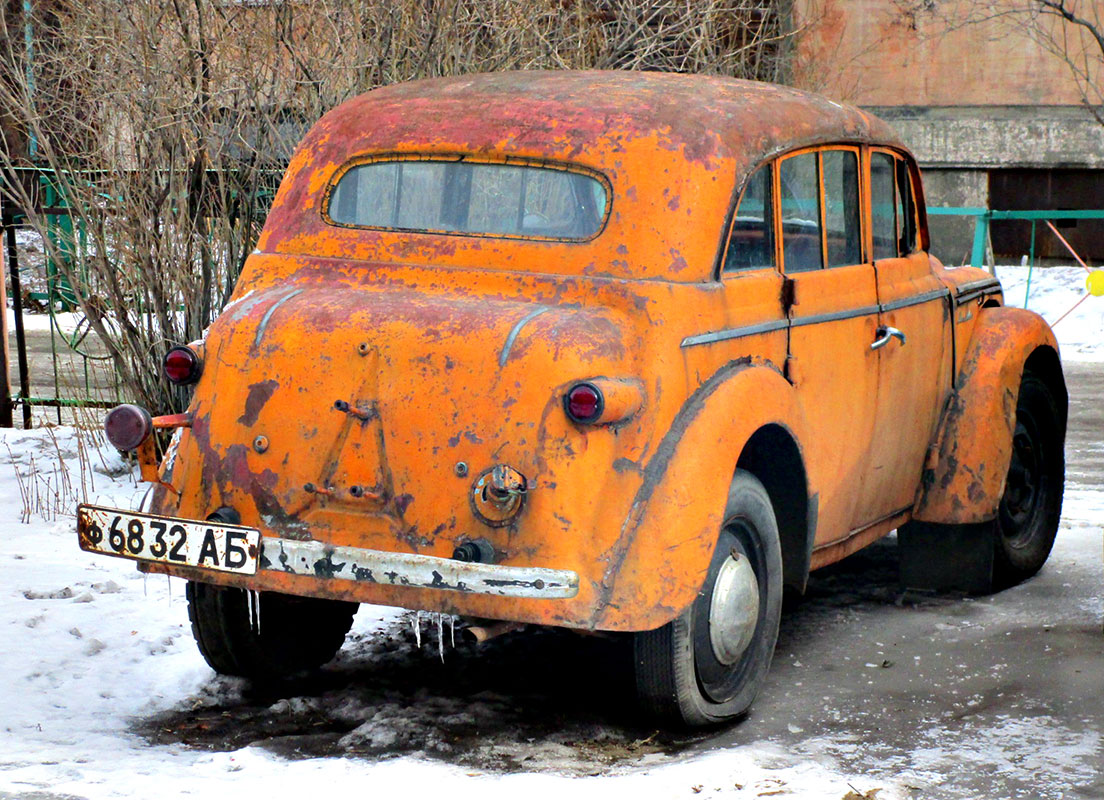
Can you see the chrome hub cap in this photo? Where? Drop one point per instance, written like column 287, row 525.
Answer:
column 734, row 611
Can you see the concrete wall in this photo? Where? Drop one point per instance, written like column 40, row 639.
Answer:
column 999, row 136
column 879, row 52
column 953, row 237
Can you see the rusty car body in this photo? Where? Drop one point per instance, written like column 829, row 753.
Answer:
column 624, row 352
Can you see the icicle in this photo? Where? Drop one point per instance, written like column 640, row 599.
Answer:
column 441, row 636
column 417, row 623
column 452, row 630
column 168, row 580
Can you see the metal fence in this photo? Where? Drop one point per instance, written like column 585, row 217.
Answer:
column 984, row 216
column 80, row 373
column 66, row 346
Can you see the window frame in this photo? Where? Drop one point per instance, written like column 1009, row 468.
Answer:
column 771, row 165
column 815, row 152
column 900, row 162
column 819, row 150
column 864, row 152
column 467, row 158
column 860, row 209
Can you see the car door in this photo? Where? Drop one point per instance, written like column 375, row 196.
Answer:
column 832, row 303
column 914, row 348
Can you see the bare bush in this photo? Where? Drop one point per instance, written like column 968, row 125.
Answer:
column 164, row 125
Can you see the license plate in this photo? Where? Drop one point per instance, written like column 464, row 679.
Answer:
column 130, row 534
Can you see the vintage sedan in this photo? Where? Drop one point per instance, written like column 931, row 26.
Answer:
column 624, row 352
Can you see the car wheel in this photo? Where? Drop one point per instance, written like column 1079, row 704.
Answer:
column 706, row 666
column 265, row 636
column 1030, row 508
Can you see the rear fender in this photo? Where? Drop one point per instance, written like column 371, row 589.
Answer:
column 656, row 566
column 968, row 461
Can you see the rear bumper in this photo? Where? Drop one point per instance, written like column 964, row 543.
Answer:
column 319, row 560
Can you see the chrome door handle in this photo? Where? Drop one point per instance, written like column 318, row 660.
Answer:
column 885, row 333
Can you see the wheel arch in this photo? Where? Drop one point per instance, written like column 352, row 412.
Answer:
column 773, row 455
column 1046, row 364
column 967, row 462
column 656, row 566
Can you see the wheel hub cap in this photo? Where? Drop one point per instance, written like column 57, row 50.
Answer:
column 734, row 610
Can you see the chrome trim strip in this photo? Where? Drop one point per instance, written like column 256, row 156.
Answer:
column 775, row 325
column 505, row 354
column 968, row 296
column 906, row 302
column 835, row 316
column 984, row 283
column 319, row 560
column 735, row 333
column 268, row 315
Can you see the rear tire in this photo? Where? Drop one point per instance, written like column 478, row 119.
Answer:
column 265, row 636
column 1031, row 506
column 706, row 666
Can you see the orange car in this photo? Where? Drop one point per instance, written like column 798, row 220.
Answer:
column 624, row 352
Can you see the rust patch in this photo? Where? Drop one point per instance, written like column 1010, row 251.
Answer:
column 259, row 394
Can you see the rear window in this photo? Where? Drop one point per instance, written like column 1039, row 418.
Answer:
column 475, row 198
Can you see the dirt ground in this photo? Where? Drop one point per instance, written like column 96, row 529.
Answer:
column 954, row 697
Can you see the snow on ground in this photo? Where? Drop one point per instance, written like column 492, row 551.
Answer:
column 1052, row 293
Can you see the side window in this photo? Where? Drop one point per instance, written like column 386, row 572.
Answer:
column 841, row 207
column 883, row 205
column 751, row 244
column 800, row 202
column 906, row 210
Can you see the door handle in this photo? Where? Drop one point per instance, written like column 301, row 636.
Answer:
column 885, row 333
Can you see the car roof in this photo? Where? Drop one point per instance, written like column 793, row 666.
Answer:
column 674, row 147
column 702, row 115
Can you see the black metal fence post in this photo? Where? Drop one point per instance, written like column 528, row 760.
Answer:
column 17, row 311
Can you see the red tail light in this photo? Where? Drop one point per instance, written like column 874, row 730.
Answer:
column 584, row 403
column 603, row 401
column 127, row 427
column 182, row 366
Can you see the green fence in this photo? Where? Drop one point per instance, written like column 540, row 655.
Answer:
column 984, row 216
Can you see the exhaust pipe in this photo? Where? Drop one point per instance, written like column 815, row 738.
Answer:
column 478, row 634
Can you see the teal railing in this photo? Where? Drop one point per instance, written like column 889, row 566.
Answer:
column 983, row 216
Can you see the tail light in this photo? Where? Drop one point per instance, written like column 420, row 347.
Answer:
column 584, row 403
column 182, row 366
column 127, row 426
column 603, row 401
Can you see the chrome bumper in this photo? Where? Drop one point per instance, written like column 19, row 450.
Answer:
column 318, row 560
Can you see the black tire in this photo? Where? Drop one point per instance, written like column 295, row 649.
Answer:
column 682, row 675
column 265, row 636
column 1031, row 506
